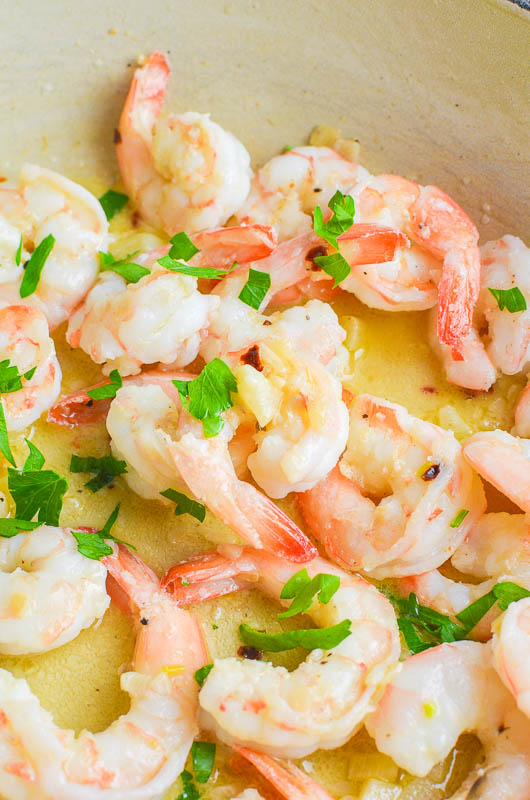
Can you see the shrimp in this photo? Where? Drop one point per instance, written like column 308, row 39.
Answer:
column 504, row 461
column 26, row 343
column 511, row 651
column 290, row 781
column 435, row 223
column 142, row 753
column 303, row 419
column 322, row 703
column 183, row 172
column 496, row 549
column 49, row 592
column 473, row 369
column 417, row 470
column 446, row 691
column 47, row 203
column 164, row 447
column 286, row 190
column 160, row 319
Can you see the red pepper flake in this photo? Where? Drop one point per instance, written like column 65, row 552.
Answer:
column 431, row 472
column 117, row 136
column 316, row 252
column 252, row 653
column 429, row 390
column 252, row 358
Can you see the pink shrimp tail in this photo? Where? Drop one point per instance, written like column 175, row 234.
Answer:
column 242, row 243
column 290, row 781
column 134, row 579
column 457, row 295
column 206, row 468
column 206, row 576
column 365, row 243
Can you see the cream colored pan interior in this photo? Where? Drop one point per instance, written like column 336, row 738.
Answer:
column 433, row 89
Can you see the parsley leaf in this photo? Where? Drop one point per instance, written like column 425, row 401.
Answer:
column 202, row 673
column 343, row 207
column 105, row 469
column 322, row 585
column 255, row 289
column 195, row 272
column 182, row 247
column 35, row 266
column 310, row 639
column 112, row 203
column 511, row 299
column 202, row 757
column 108, row 389
column 334, row 265
column 189, row 790
column 18, row 254
column 128, row 270
column 459, row 518
column 508, row 592
column 208, row 395
column 184, row 505
column 12, row 526
column 36, row 490
column 11, row 379
column 93, row 544
column 4, row 438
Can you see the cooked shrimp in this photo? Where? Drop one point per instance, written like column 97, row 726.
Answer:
column 160, row 319
column 496, row 549
column 49, row 592
column 417, row 471
column 287, row 779
column 473, row 368
column 322, row 703
column 142, row 753
column 25, row 341
column 303, row 420
column 47, row 203
column 438, row 226
column 183, row 172
column 446, row 691
column 504, row 461
column 511, row 651
column 286, row 190
column 164, row 447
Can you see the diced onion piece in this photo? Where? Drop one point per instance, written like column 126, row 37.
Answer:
column 450, row 419
column 256, row 394
column 372, row 765
column 421, row 789
column 375, row 789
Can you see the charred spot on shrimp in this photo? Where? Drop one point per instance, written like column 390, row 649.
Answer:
column 252, row 358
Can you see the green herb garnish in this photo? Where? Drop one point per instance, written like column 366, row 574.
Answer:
column 18, row 254
column 11, row 379
column 460, row 517
column 189, row 790
column 112, row 203
column 334, row 265
column 255, row 289
column 309, row 639
column 182, row 247
column 202, row 757
column 128, row 270
column 12, row 526
column 195, row 272
column 343, row 207
column 105, row 469
column 511, row 299
column 108, row 390
column 35, row 265
column 5, row 448
column 303, row 589
column 202, row 673
column 93, row 545
column 208, row 395
column 36, row 490
column 184, row 505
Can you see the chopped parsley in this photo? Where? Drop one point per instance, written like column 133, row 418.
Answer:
column 255, row 289
column 460, row 517
column 189, row 790
column 108, row 390
column 303, row 589
column 513, row 300
column 128, row 270
column 10, row 527
column 195, row 272
column 35, row 265
column 208, row 395
column 5, row 448
column 202, row 673
column 11, row 379
column 36, row 490
column 423, row 627
column 18, row 254
column 343, row 207
column 310, row 639
column 182, row 247
column 184, row 505
column 334, row 265
column 105, row 469
column 202, row 757
column 93, row 545
column 112, row 203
